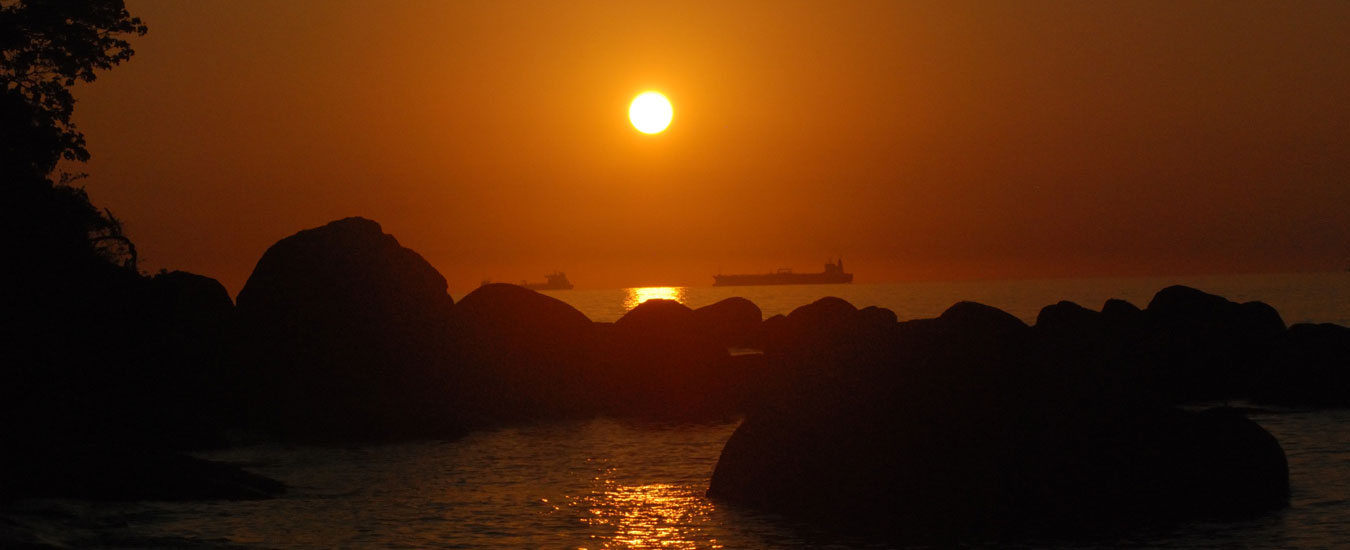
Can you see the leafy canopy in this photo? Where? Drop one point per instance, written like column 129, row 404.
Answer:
column 46, row 46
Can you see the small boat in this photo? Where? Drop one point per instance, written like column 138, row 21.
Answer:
column 553, row 281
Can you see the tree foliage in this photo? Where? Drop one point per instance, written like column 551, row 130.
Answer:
column 46, row 46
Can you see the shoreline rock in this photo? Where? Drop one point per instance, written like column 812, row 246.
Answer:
column 113, row 473
column 965, row 425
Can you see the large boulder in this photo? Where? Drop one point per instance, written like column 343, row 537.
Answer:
column 822, row 323
column 179, row 392
column 1205, row 347
column 960, row 426
column 733, row 322
column 145, row 360
column 659, row 362
column 345, row 334
column 1312, row 371
column 180, row 295
column 522, row 355
column 1092, row 351
column 114, row 473
column 934, row 477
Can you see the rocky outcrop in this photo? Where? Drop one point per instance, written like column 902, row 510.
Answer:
column 522, row 355
column 180, row 391
column 1312, row 371
column 111, row 473
column 965, row 425
column 1205, row 347
column 733, row 322
column 345, row 336
column 659, row 362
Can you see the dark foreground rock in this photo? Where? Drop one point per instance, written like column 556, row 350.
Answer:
column 965, row 426
column 733, row 322
column 522, row 355
column 344, row 337
column 178, row 391
column 1205, row 347
column 658, row 361
column 126, row 474
column 1189, row 346
column 126, row 359
column 1313, row 370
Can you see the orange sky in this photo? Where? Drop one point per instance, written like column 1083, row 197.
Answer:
column 917, row 140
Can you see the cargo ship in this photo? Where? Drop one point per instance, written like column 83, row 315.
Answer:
column 553, row 281
column 833, row 274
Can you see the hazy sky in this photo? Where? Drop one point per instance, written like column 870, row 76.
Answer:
column 917, row 140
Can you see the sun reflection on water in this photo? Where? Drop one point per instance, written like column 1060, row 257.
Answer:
column 658, row 515
column 636, row 296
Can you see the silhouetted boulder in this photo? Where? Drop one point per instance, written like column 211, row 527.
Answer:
column 110, row 473
column 1124, row 320
column 522, row 354
column 123, row 359
column 1068, row 316
column 823, row 341
column 1090, row 351
column 181, row 295
column 825, row 311
column 1205, row 347
column 1312, row 371
column 810, row 325
column 965, row 425
column 659, row 362
column 733, row 322
column 877, row 315
column 346, row 333
column 1120, row 309
column 179, row 392
column 659, row 317
column 772, row 329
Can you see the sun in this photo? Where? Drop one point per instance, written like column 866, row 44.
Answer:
column 650, row 112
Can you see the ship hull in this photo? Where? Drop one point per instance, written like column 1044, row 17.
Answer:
column 783, row 279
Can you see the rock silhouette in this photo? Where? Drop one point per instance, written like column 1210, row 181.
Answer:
column 965, row 425
column 179, row 391
column 982, row 422
column 733, row 322
column 1205, row 347
column 522, row 355
column 1312, row 371
column 345, row 336
column 659, row 362
column 116, row 473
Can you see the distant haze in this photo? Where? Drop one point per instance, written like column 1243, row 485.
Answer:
column 916, row 140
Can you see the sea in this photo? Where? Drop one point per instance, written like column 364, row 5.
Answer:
column 618, row 484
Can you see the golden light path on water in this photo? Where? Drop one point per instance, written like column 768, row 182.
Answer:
column 636, row 296
column 658, row 515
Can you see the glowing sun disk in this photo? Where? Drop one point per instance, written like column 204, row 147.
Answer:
column 650, row 112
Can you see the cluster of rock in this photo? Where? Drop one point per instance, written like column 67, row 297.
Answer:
column 108, row 375
column 347, row 335
column 969, row 421
column 975, row 424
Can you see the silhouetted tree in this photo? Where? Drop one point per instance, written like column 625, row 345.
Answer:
column 46, row 47
column 69, row 286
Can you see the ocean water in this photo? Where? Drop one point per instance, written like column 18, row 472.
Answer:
column 609, row 484
column 601, row 484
